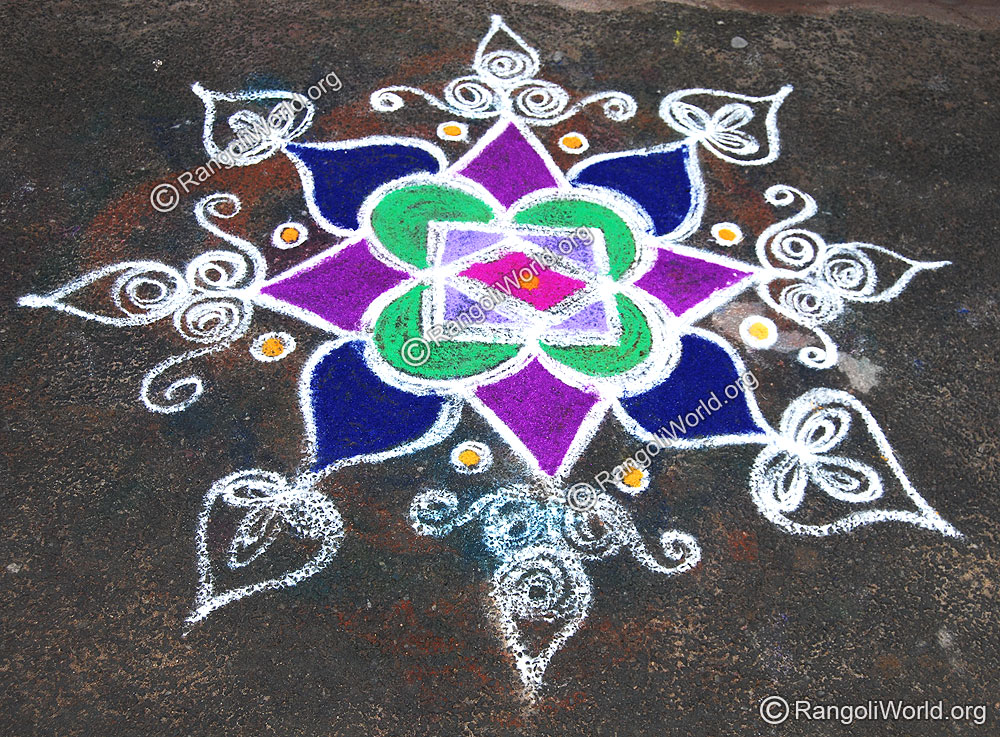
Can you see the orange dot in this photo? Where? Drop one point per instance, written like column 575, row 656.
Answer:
column 573, row 142
column 758, row 330
column 727, row 235
column 451, row 130
column 272, row 347
column 469, row 458
column 530, row 283
column 633, row 478
column 289, row 235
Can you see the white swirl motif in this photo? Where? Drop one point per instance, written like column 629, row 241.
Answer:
column 811, row 304
column 179, row 394
column 471, row 97
column 209, row 302
column 256, row 136
column 271, row 506
column 800, row 458
column 541, row 538
column 504, row 83
column 722, row 132
column 217, row 270
column 542, row 100
column 224, row 205
column 213, row 319
column 142, row 292
column 540, row 584
column 826, row 276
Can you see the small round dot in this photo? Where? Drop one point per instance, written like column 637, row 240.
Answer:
column 633, row 481
column 574, row 143
column 272, row 346
column 289, row 235
column 471, row 457
column 453, row 131
column 727, row 234
column 758, row 332
column 531, row 283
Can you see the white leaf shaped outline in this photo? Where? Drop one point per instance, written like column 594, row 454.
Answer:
column 482, row 61
column 720, row 133
column 131, row 276
column 869, row 292
column 274, row 490
column 789, row 451
column 531, row 666
column 270, row 133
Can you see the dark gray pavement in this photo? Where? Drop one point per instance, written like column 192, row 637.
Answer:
column 894, row 127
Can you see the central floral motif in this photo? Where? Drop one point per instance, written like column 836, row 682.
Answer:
column 520, row 285
column 544, row 275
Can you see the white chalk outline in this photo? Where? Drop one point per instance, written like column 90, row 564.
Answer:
column 715, row 134
column 487, row 94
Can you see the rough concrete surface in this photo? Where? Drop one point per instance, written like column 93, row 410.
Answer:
column 894, row 127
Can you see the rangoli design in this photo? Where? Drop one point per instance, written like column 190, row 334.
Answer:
column 541, row 299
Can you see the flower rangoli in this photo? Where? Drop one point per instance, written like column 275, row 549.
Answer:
column 544, row 300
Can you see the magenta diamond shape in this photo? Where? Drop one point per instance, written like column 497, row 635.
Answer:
column 520, row 276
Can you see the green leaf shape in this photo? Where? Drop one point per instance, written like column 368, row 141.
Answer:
column 400, row 218
column 567, row 213
column 400, row 322
column 604, row 360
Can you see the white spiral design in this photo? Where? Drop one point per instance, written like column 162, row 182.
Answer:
column 469, row 96
column 797, row 248
column 681, row 548
column 508, row 66
column 148, row 292
column 212, row 205
column 595, row 531
column 217, row 270
column 386, row 101
column 213, row 320
column 543, row 584
column 619, row 106
column 810, row 303
column 542, row 100
column 850, row 272
column 179, row 394
column 434, row 513
column 511, row 524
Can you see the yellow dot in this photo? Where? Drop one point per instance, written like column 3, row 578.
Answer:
column 289, row 235
column 633, row 478
column 573, row 142
column 759, row 331
column 451, row 130
column 727, row 235
column 272, row 347
column 469, row 458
